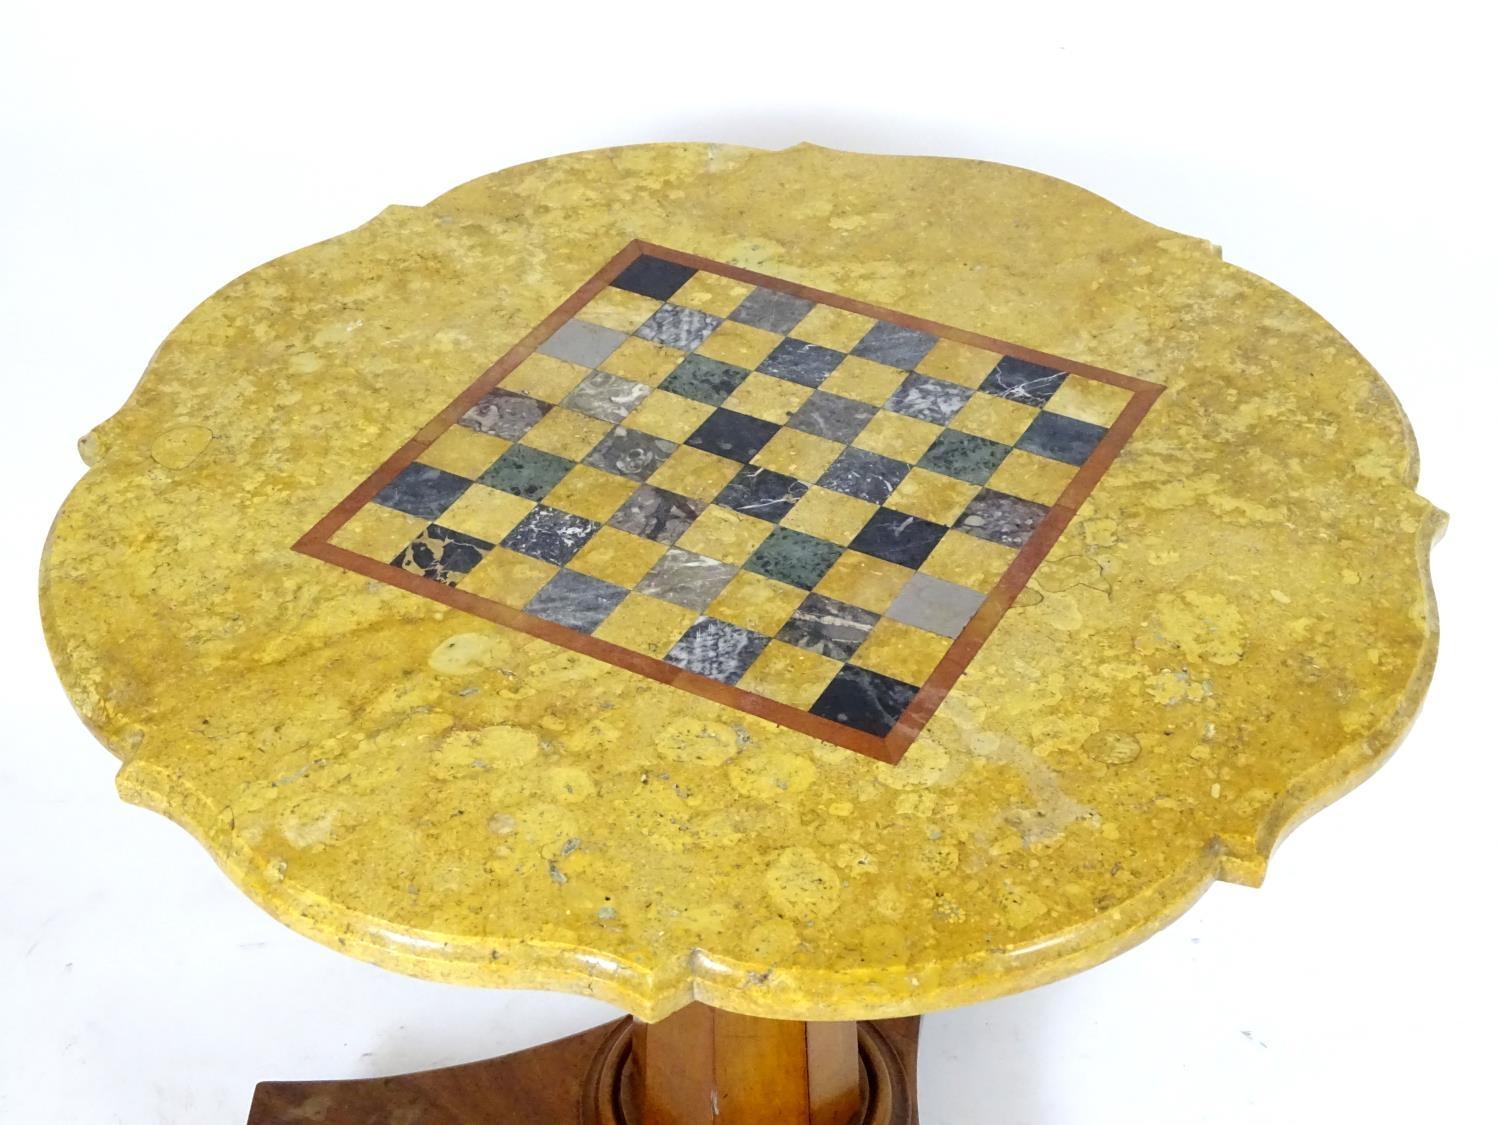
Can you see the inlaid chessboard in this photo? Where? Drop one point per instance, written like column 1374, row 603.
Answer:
column 797, row 504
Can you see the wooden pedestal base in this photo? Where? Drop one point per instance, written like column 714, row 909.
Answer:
column 698, row 1067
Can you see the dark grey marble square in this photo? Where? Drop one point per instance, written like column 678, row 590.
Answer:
column 717, row 649
column 894, row 345
column 935, row 605
column 772, row 310
column 831, row 416
column 870, row 476
column 504, row 414
column 1001, row 518
column 442, row 554
column 629, row 453
column 962, row 456
column 655, row 513
column 728, row 433
column 794, row 557
column 709, row 381
column 797, row 361
column 580, row 342
column 864, row 700
column 606, row 397
column 686, row 579
column 829, row 627
column 932, row 400
column 1030, row 384
column 1061, row 438
column 420, row 490
column 576, row 600
column 549, row 534
column 898, row 538
column 653, row 277
column 679, row 327
column 526, row 472
column 763, row 493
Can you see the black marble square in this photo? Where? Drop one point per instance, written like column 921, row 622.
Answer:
column 869, row 476
column 1001, row 518
column 894, row 345
column 931, row 400
column 576, row 600
column 679, row 327
column 863, row 699
column 653, row 277
column 717, row 649
column 773, row 310
column 793, row 557
column 831, row 416
column 442, row 554
column 550, row 535
column 420, row 490
column 728, row 433
column 629, row 453
column 828, row 627
column 1061, row 438
column 800, row 362
column 526, row 472
column 504, row 414
column 763, row 493
column 709, row 381
column 655, row 513
column 1030, row 384
column 898, row 538
column 964, row 456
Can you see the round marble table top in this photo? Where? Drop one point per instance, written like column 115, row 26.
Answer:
column 821, row 585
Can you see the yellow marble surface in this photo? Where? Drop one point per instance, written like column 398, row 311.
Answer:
column 1236, row 629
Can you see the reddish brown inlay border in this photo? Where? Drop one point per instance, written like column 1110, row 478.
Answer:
column 890, row 748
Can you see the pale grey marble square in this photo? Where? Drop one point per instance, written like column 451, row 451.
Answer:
column 935, row 605
column 580, row 342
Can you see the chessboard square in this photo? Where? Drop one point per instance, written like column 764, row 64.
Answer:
column 935, row 605
column 1019, row 380
column 898, row 437
column 832, row 416
column 801, row 455
column 486, row 513
column 794, row 557
column 566, row 433
column 678, row 327
column 580, row 342
column 378, row 532
column 894, row 345
column 828, row 626
column 619, row 309
column 933, row 497
column 549, row 534
column 1089, row 400
column 964, row 456
column 576, row 601
column 829, row 515
column 463, row 451
column 790, row 675
column 762, row 493
column 653, row 277
column 901, row 651
column 642, row 361
column 420, row 490
column 617, row 556
column 586, row 491
column 704, row 379
column 695, row 473
column 507, row 577
column 1061, row 438
column 503, row 414
column 442, row 554
column 864, row 581
column 767, row 398
column 958, row 363
column 526, row 472
column 865, row 700
column 833, row 328
column 657, row 514
column 606, row 397
column 1002, row 518
column 863, row 380
column 724, row 534
column 731, row 434
column 969, row 561
column 773, row 310
column 630, row 453
column 800, row 362
column 669, row 415
column 898, row 537
column 712, row 292
column 868, row 476
column 932, row 400
column 646, row 625
column 1031, row 477
column 739, row 344
column 717, row 649
column 541, row 377
column 998, row 419
column 756, row 602
column 687, row 579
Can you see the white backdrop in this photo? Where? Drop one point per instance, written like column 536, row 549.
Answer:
column 151, row 151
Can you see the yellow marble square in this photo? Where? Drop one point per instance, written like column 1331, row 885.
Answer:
column 464, row 451
column 485, row 513
column 762, row 396
column 1031, row 477
column 617, row 556
column 865, row 581
column 724, row 534
column 668, row 415
column 590, row 493
column 1089, row 400
column 789, row 674
column 998, row 419
column 740, row 344
column 832, row 328
column 642, row 360
column 545, row 377
column 829, row 515
column 958, row 363
column 969, row 561
column 864, row 380
column 756, row 602
column 901, row 651
column 619, row 309
column 692, row 472
column 507, row 577
column 712, row 292
column 566, row 433
column 646, row 625
column 378, row 533
column 797, row 454
column 897, row 436
column 932, row 496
